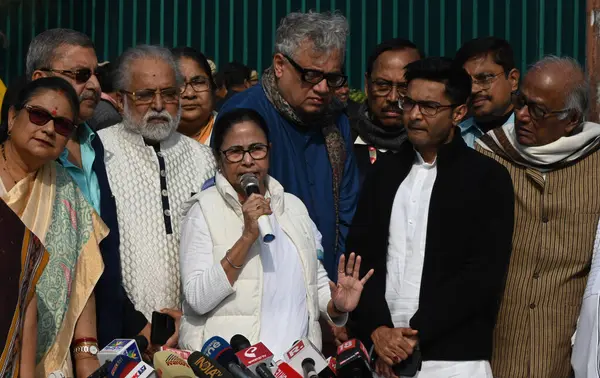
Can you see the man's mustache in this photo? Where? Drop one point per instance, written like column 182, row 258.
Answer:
column 89, row 95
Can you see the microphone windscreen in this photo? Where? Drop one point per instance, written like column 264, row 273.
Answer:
column 248, row 179
column 239, row 342
column 142, row 343
column 204, row 366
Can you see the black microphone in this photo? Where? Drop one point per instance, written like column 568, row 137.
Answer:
column 249, row 182
column 102, row 371
column 219, row 350
column 353, row 360
column 255, row 357
column 204, row 366
column 308, row 368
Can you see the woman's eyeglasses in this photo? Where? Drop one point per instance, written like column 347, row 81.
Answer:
column 236, row 154
column 314, row 77
column 40, row 116
column 198, row 84
column 81, row 75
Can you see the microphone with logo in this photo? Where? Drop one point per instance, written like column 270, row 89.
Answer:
column 307, row 360
column 284, row 370
column 256, row 358
column 249, row 183
column 219, row 350
column 125, row 347
column 353, row 360
column 125, row 367
column 169, row 365
column 204, row 366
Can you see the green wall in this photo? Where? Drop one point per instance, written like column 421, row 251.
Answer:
column 244, row 30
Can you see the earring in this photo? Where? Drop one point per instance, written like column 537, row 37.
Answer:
column 8, row 134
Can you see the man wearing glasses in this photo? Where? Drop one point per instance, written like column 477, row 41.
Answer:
column 70, row 55
column 438, row 299
column 312, row 153
column 153, row 170
column 490, row 63
column 377, row 128
column 553, row 157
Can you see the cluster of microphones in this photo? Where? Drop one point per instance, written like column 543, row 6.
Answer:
column 237, row 359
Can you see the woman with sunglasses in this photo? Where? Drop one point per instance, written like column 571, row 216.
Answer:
column 47, row 200
column 197, row 95
column 237, row 283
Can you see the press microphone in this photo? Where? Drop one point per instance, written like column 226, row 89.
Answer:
column 308, row 368
column 353, row 360
column 302, row 350
column 169, row 365
column 101, row 372
column 249, row 183
column 126, row 367
column 219, row 350
column 127, row 347
column 204, row 366
column 255, row 358
column 284, row 370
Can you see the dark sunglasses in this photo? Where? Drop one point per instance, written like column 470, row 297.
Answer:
column 81, row 75
column 314, row 77
column 40, row 116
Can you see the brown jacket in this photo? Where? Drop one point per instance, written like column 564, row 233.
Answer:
column 556, row 214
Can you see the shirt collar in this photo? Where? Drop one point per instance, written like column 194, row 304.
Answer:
column 86, row 136
column 469, row 125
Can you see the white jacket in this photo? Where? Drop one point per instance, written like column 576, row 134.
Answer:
column 239, row 312
column 585, row 358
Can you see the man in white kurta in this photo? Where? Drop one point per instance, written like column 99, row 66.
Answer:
column 152, row 171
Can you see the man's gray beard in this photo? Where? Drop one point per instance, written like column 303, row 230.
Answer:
column 156, row 132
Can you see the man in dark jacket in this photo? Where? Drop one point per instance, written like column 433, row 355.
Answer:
column 438, row 232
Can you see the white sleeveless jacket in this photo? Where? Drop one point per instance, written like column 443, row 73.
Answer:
column 239, row 313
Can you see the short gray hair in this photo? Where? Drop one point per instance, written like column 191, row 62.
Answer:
column 327, row 31
column 122, row 76
column 578, row 96
column 43, row 48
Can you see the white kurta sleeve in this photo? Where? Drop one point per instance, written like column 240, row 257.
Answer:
column 205, row 284
column 323, row 283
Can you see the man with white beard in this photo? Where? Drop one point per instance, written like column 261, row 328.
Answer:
column 152, row 170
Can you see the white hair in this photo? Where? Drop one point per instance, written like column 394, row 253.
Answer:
column 155, row 132
column 326, row 31
column 577, row 97
column 122, row 76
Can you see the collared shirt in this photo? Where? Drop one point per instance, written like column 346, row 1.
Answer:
column 85, row 177
column 470, row 131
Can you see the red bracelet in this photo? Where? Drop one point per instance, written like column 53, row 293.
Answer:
column 85, row 340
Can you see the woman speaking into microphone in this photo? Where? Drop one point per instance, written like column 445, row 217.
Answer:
column 236, row 281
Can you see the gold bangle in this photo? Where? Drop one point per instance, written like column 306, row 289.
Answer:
column 229, row 261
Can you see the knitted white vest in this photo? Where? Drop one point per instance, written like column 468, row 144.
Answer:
column 240, row 312
column 149, row 255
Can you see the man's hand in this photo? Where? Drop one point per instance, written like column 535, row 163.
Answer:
column 175, row 314
column 384, row 370
column 392, row 344
column 340, row 334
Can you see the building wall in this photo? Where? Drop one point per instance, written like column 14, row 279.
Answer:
column 243, row 30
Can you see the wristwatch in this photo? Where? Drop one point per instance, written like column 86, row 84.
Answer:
column 90, row 348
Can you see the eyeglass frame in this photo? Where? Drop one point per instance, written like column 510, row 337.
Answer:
column 246, row 151
column 155, row 91
column 545, row 114
column 487, row 83
column 73, row 73
column 304, row 71
column 72, row 125
column 438, row 108
column 394, row 85
column 189, row 83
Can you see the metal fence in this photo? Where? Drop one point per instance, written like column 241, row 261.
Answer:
column 244, row 30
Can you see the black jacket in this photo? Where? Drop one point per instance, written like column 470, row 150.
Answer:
column 116, row 317
column 468, row 247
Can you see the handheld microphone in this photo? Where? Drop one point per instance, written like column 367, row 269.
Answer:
column 249, row 183
column 169, row 365
column 203, row 366
column 284, row 370
column 353, row 360
column 184, row 354
column 126, row 347
column 219, row 350
column 308, row 368
column 101, row 372
column 255, row 358
column 126, row 367
column 301, row 350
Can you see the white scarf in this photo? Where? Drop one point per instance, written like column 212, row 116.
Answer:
column 503, row 141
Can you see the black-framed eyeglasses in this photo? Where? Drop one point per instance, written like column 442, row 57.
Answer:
column 484, row 80
column 536, row 111
column 40, row 116
column 427, row 108
column 314, row 77
column 198, row 84
column 81, row 75
column 235, row 154
column 382, row 88
column 169, row 95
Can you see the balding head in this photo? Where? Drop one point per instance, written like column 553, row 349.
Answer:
column 556, row 93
